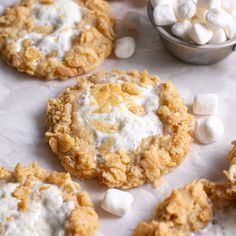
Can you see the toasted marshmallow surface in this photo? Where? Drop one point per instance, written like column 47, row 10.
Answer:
column 46, row 214
column 62, row 16
column 118, row 116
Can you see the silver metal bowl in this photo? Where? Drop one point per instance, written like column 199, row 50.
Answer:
column 191, row 53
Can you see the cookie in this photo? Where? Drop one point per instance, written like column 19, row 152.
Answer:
column 202, row 208
column 124, row 128
column 57, row 39
column 36, row 202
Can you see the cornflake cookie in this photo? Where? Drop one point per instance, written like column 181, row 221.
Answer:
column 202, row 208
column 35, row 202
column 124, row 128
column 57, row 38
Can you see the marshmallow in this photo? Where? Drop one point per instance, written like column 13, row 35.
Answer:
column 219, row 36
column 160, row 2
column 217, row 18
column 229, row 5
column 125, row 47
column 131, row 20
column 209, row 129
column 205, row 104
column 230, row 30
column 201, row 14
column 181, row 29
column 186, row 10
column 163, row 2
column 117, row 202
column 164, row 15
column 200, row 34
column 209, row 4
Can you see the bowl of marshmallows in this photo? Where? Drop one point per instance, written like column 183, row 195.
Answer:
column 198, row 32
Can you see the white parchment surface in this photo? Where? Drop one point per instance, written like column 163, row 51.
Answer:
column 23, row 101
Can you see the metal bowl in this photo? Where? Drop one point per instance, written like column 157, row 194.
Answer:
column 191, row 53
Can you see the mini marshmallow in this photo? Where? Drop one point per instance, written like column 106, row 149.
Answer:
column 186, row 10
column 164, row 15
column 230, row 30
column 229, row 5
column 209, row 129
column 205, row 104
column 181, row 29
column 217, row 18
column 131, row 20
column 117, row 202
column 200, row 34
column 209, row 4
column 201, row 14
column 160, row 2
column 125, row 47
column 219, row 36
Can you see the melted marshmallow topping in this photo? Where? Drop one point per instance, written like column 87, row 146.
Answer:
column 223, row 224
column 46, row 215
column 62, row 16
column 122, row 112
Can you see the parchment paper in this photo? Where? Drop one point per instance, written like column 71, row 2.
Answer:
column 23, row 102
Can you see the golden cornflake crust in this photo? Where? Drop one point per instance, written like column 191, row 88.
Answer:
column 191, row 208
column 88, row 50
column 74, row 142
column 83, row 220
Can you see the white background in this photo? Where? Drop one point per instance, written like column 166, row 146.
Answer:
column 23, row 101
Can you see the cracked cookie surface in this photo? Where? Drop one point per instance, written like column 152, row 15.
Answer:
column 124, row 128
column 57, row 39
column 36, row 202
column 201, row 208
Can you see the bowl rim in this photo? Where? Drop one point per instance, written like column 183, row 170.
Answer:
column 164, row 33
